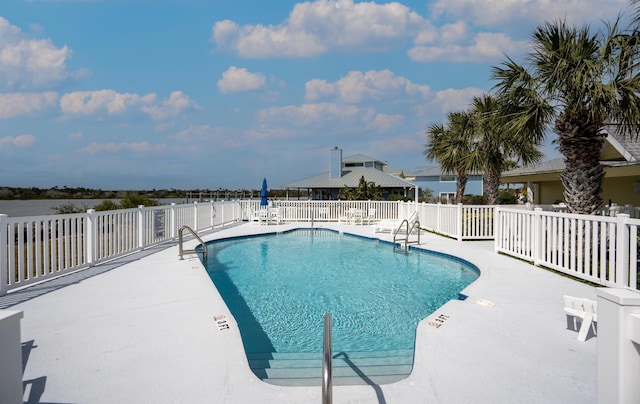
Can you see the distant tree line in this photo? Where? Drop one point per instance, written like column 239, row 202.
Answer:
column 18, row 193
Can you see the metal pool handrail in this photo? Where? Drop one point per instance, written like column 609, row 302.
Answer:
column 181, row 251
column 415, row 224
column 327, row 382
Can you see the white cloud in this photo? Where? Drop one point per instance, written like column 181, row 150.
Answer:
column 314, row 28
column 383, row 122
column 455, row 32
column 137, row 148
column 317, row 27
column 318, row 115
column 26, row 62
column 373, row 85
column 237, row 79
column 20, row 141
column 176, row 104
column 484, row 46
column 109, row 101
column 18, row 104
column 204, row 133
column 451, row 100
column 348, row 118
column 498, row 12
column 402, row 145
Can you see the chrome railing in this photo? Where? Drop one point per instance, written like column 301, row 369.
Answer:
column 180, row 247
column 415, row 224
column 327, row 380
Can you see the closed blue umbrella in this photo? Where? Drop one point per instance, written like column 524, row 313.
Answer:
column 264, row 194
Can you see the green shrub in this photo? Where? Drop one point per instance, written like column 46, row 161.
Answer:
column 132, row 200
column 70, row 208
column 107, row 204
column 507, row 197
column 393, row 198
column 473, row 200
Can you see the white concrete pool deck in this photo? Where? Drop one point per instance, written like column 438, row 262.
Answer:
column 142, row 330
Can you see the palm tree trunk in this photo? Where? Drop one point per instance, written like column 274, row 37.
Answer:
column 491, row 185
column 583, row 175
column 461, row 184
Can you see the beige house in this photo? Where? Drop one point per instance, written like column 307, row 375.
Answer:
column 621, row 160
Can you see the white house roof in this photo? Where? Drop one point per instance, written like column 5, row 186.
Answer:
column 360, row 158
column 617, row 151
column 627, row 146
column 351, row 179
column 551, row 166
column 433, row 171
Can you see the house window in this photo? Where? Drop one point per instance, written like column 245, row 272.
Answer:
column 447, row 196
column 447, row 178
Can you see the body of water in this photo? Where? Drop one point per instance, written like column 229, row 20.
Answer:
column 38, row 207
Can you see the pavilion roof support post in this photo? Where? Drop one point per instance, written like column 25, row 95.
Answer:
column 4, row 241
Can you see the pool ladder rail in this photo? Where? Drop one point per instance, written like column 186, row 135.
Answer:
column 415, row 225
column 327, row 366
column 181, row 251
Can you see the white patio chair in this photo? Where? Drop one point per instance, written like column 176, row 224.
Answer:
column 355, row 216
column 257, row 216
column 583, row 309
column 371, row 215
column 323, row 213
column 274, row 216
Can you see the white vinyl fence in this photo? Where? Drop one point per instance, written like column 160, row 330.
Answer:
column 36, row 248
column 458, row 221
column 462, row 222
column 599, row 249
column 326, row 211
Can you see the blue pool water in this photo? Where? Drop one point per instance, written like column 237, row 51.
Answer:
column 279, row 286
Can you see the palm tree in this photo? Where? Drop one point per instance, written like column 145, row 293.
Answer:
column 450, row 146
column 364, row 191
column 581, row 82
column 495, row 145
column 479, row 140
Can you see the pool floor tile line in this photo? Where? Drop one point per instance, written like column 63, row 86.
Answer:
column 149, row 331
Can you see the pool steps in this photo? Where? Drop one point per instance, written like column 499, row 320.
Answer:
column 305, row 369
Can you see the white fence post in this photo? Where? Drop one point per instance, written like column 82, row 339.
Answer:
column 459, row 226
column 141, row 227
column 618, row 357
column 173, row 217
column 10, row 356
column 91, row 233
column 537, row 236
column 212, row 213
column 622, row 250
column 497, row 228
column 3, row 254
column 195, row 216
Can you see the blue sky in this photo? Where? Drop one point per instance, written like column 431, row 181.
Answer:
column 142, row 94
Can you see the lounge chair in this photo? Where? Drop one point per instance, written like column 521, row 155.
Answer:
column 393, row 225
column 584, row 309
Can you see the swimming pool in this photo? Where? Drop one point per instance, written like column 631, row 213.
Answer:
column 279, row 286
